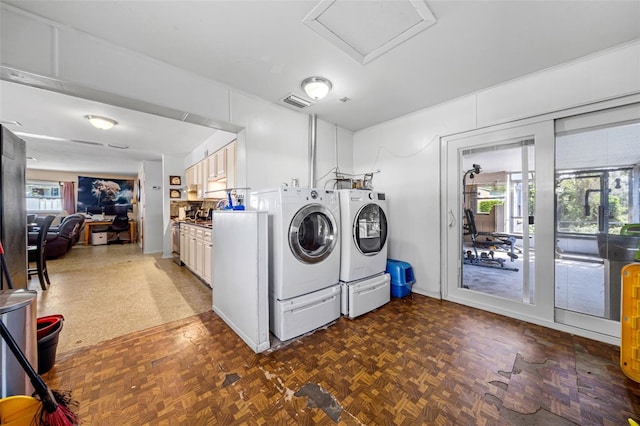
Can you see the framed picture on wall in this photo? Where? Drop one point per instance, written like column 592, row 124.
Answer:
column 175, row 180
column 174, row 193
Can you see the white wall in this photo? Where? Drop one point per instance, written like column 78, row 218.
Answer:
column 152, row 205
column 171, row 166
column 273, row 143
column 407, row 149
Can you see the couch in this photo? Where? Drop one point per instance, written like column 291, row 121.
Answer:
column 61, row 238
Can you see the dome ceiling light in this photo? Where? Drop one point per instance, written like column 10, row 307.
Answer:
column 102, row 123
column 316, row 87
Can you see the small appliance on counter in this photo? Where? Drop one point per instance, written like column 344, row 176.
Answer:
column 182, row 215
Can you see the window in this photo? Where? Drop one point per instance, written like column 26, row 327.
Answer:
column 44, row 196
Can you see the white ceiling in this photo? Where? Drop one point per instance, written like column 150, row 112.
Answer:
column 264, row 48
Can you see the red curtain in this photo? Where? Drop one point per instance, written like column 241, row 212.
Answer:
column 69, row 197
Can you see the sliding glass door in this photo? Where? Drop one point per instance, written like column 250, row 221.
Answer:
column 541, row 218
column 596, row 190
column 493, row 212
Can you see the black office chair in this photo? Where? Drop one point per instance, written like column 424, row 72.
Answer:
column 37, row 255
column 120, row 224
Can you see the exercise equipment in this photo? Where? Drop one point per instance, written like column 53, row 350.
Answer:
column 492, row 242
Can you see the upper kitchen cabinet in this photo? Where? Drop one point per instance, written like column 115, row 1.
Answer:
column 230, row 154
column 222, row 165
column 190, row 176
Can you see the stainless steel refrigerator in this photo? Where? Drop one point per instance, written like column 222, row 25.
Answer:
column 13, row 208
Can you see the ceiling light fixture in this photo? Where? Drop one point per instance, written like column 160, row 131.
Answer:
column 316, row 87
column 102, row 123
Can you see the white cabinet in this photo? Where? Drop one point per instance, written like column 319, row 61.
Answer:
column 190, row 178
column 201, row 178
column 184, row 246
column 199, row 256
column 230, row 153
column 221, row 163
column 207, row 268
column 211, row 163
column 195, row 250
column 192, row 249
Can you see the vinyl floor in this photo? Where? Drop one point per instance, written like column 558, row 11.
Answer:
column 414, row 361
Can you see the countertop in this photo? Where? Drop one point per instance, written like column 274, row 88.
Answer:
column 202, row 223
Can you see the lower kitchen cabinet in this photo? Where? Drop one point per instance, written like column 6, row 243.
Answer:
column 184, row 244
column 207, row 269
column 195, row 250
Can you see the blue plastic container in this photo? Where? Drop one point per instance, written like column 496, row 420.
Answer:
column 402, row 277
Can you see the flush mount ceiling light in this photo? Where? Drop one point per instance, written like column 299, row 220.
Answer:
column 102, row 123
column 316, row 87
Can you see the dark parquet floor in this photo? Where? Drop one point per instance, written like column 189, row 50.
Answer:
column 415, row 361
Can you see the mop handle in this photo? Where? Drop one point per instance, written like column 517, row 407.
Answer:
column 41, row 388
column 5, row 269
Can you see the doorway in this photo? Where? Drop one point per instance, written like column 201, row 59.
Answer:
column 540, row 219
column 495, row 209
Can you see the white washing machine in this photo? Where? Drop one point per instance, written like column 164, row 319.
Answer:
column 365, row 285
column 304, row 257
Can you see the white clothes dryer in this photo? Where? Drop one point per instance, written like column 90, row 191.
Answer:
column 364, row 233
column 304, row 244
column 365, row 285
column 304, row 257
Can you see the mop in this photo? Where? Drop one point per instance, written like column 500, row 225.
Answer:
column 52, row 409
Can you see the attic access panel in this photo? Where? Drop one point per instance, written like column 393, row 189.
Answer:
column 368, row 29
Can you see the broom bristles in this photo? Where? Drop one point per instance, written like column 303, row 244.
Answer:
column 56, row 411
column 61, row 417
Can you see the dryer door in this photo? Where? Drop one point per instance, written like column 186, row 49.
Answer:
column 370, row 229
column 313, row 234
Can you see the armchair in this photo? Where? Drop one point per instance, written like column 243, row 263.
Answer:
column 61, row 238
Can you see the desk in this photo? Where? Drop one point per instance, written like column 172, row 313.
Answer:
column 104, row 223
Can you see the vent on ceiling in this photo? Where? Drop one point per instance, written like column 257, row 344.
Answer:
column 296, row 101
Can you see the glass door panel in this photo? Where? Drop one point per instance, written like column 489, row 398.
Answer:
column 502, row 207
column 498, row 227
column 596, row 195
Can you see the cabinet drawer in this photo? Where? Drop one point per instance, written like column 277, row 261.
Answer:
column 207, row 236
column 199, row 233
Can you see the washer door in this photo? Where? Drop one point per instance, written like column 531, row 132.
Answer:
column 370, row 229
column 313, row 234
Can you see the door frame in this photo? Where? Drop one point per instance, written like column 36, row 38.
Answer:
column 542, row 310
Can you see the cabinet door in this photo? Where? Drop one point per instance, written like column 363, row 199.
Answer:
column 199, row 257
column 204, row 172
column 221, row 163
column 192, row 252
column 197, row 173
column 184, row 245
column 211, row 164
column 207, row 266
column 190, row 177
column 231, row 164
